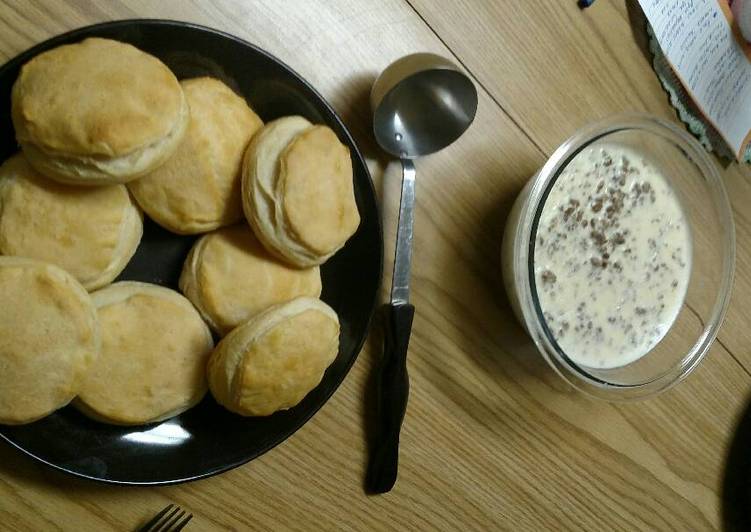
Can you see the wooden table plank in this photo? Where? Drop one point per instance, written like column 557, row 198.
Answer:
column 492, row 438
column 552, row 66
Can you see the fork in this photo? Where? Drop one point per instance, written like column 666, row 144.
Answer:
column 171, row 519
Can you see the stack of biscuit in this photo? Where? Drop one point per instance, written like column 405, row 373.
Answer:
column 104, row 141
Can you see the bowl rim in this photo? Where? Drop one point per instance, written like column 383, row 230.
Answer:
column 523, row 253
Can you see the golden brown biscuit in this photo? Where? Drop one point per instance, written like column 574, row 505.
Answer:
column 297, row 191
column 49, row 338
column 230, row 277
column 274, row 360
column 316, row 193
column 152, row 364
column 198, row 189
column 97, row 112
column 90, row 232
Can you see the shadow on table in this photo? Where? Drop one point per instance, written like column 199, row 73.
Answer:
column 354, row 109
column 474, row 314
column 736, row 486
column 496, row 342
column 638, row 23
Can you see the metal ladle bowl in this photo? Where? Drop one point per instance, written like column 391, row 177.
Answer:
column 421, row 103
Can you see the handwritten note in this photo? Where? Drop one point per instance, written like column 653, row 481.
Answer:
column 697, row 39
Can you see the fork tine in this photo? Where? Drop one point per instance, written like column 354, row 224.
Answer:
column 179, row 526
column 150, row 525
column 171, row 519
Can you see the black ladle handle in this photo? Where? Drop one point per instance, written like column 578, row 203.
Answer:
column 391, row 395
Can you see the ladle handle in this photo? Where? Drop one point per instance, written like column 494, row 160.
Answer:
column 392, row 392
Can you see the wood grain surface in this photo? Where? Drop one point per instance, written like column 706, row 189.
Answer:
column 492, row 439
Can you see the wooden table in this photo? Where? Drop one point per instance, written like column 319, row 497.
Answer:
column 492, row 439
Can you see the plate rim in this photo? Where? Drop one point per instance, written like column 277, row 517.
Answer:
column 26, row 55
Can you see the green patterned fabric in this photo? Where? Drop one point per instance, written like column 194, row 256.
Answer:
column 685, row 107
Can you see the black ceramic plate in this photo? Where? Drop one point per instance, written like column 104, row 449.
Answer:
column 207, row 439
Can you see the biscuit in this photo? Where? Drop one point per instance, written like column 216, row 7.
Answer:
column 198, row 188
column 275, row 359
column 152, row 364
column 316, row 192
column 230, row 277
column 49, row 338
column 297, row 191
column 97, row 112
column 90, row 232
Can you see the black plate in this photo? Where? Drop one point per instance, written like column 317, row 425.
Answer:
column 207, row 439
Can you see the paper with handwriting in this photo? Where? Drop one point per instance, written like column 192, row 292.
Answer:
column 711, row 61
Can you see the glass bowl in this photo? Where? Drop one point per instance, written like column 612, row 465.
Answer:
column 698, row 189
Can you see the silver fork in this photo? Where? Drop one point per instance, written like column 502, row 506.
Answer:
column 171, row 519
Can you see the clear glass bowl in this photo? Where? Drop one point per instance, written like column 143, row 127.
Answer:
column 698, row 186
